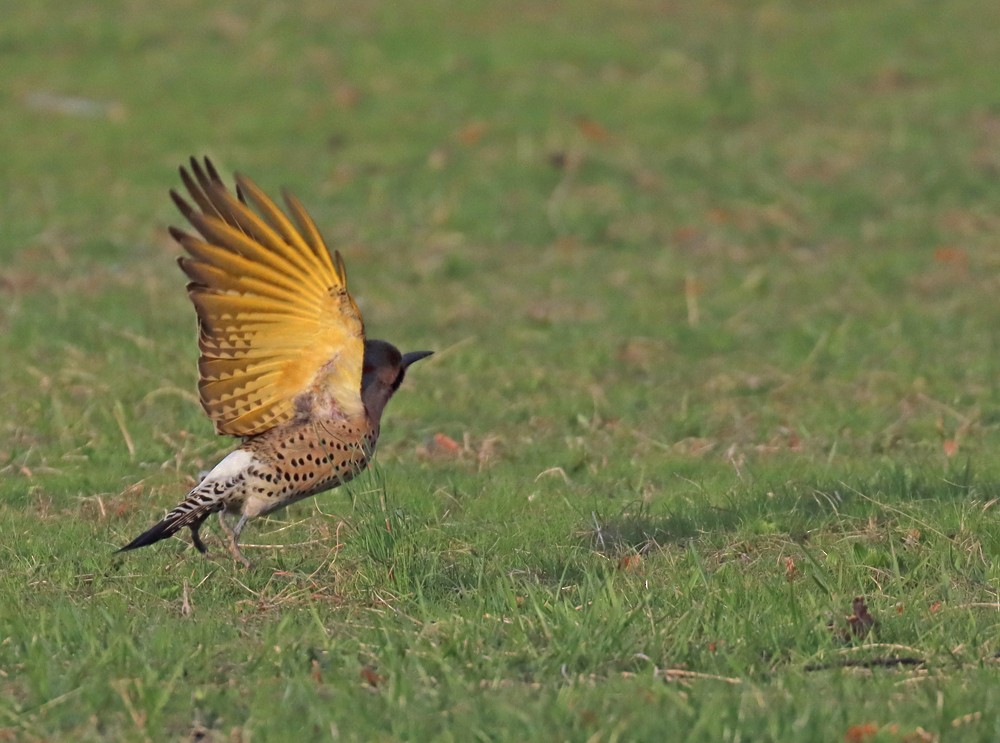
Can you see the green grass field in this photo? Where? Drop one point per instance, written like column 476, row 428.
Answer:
column 712, row 289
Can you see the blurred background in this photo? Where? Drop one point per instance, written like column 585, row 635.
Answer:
column 712, row 290
column 680, row 215
column 672, row 235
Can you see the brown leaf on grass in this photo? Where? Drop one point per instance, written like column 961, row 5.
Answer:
column 861, row 733
column 347, row 95
column 371, row 677
column 861, row 621
column 629, row 563
column 443, row 447
column 447, row 444
column 951, row 256
column 867, row 731
column 315, row 672
column 440, row 446
column 472, row 133
column 791, row 571
column 912, row 537
column 950, row 447
column 592, row 130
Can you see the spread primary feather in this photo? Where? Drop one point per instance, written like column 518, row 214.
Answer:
column 273, row 307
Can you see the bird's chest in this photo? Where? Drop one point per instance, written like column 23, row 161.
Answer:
column 320, row 455
column 306, row 460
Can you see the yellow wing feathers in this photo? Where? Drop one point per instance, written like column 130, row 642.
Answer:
column 279, row 331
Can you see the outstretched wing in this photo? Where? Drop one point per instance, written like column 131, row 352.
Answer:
column 277, row 325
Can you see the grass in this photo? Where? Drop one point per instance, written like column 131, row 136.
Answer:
column 711, row 286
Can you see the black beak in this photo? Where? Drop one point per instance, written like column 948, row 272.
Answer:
column 409, row 358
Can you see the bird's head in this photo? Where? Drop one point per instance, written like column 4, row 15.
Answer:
column 382, row 372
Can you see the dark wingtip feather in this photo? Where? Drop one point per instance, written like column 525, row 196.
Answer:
column 204, row 175
column 212, row 172
column 179, row 201
column 178, row 234
column 189, row 182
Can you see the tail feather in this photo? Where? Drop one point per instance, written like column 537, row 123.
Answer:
column 206, row 498
column 191, row 512
column 159, row 531
column 201, row 502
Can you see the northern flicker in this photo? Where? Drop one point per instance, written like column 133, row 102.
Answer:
column 284, row 359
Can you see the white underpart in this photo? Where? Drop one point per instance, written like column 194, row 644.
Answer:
column 234, row 463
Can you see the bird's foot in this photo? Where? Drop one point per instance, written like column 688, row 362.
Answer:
column 234, row 550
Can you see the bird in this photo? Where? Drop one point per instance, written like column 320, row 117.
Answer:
column 284, row 362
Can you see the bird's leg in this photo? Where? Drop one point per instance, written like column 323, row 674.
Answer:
column 196, row 539
column 233, row 543
column 225, row 524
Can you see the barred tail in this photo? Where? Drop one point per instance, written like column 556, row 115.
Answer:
column 194, row 509
column 160, row 531
column 206, row 498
